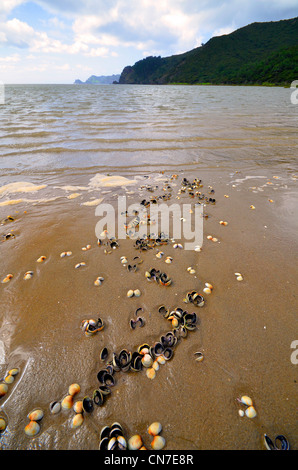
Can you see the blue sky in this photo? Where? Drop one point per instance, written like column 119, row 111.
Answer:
column 57, row 41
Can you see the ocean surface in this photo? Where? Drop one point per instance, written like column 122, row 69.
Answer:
column 66, row 148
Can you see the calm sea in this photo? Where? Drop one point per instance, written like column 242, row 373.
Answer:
column 56, row 130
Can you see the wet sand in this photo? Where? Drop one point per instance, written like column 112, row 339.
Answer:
column 244, row 330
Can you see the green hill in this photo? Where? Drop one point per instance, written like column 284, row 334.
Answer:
column 260, row 53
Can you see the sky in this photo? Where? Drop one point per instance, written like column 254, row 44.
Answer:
column 58, row 41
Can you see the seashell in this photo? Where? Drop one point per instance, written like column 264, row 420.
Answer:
column 168, row 260
column 150, row 372
column 103, row 445
column 147, row 360
column 103, row 354
column 3, row 424
column 252, row 207
column 3, row 389
column 41, row 259
column 199, row 356
column 99, row 280
column 210, row 286
column 63, row 254
column 209, row 237
column 155, row 428
column 159, row 254
column 241, row 413
column 35, row 415
column 239, row 278
column 207, row 290
column 130, row 293
column 192, row 271
column 77, row 421
column 246, row 400
column 67, row 402
column 137, row 293
column 28, row 275
column 155, row 365
column 32, row 428
column 161, row 360
column 121, row 442
column 88, row 404
column 80, row 264
column 9, row 379
column 223, row 222
column 198, row 248
column 177, row 245
column 55, row 407
column 158, row 443
column 7, row 278
column 14, row 371
column 135, row 442
column 250, row 412
column 78, row 407
column 214, row 239
column 74, row 389
column 68, row 253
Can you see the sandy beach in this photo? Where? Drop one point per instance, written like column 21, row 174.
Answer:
column 244, row 330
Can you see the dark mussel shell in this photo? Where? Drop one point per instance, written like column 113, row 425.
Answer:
column 168, row 354
column 164, row 311
column 109, row 380
column 103, row 445
column 104, row 390
column 171, row 339
column 104, row 354
column 190, row 320
column 116, row 431
column 124, row 359
column 198, row 300
column 105, row 378
column 141, row 321
column 164, row 279
column 98, row 397
column 88, row 404
column 116, row 363
column 101, row 374
column 158, row 349
column 136, row 362
column 105, row 432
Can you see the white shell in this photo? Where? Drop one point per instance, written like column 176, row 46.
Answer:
column 147, row 360
column 246, row 400
column 137, row 293
column 207, row 290
column 251, row 412
column 158, row 443
column 130, row 293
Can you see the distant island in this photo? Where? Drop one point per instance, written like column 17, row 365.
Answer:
column 101, row 80
column 257, row 54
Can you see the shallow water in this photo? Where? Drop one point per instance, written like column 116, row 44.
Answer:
column 57, row 142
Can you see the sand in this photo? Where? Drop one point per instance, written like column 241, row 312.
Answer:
column 244, row 330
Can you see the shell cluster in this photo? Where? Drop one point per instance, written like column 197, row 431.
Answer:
column 68, row 402
column 195, row 298
column 112, row 438
column 158, row 276
column 33, row 427
column 91, row 327
column 7, row 380
column 250, row 410
column 158, row 442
